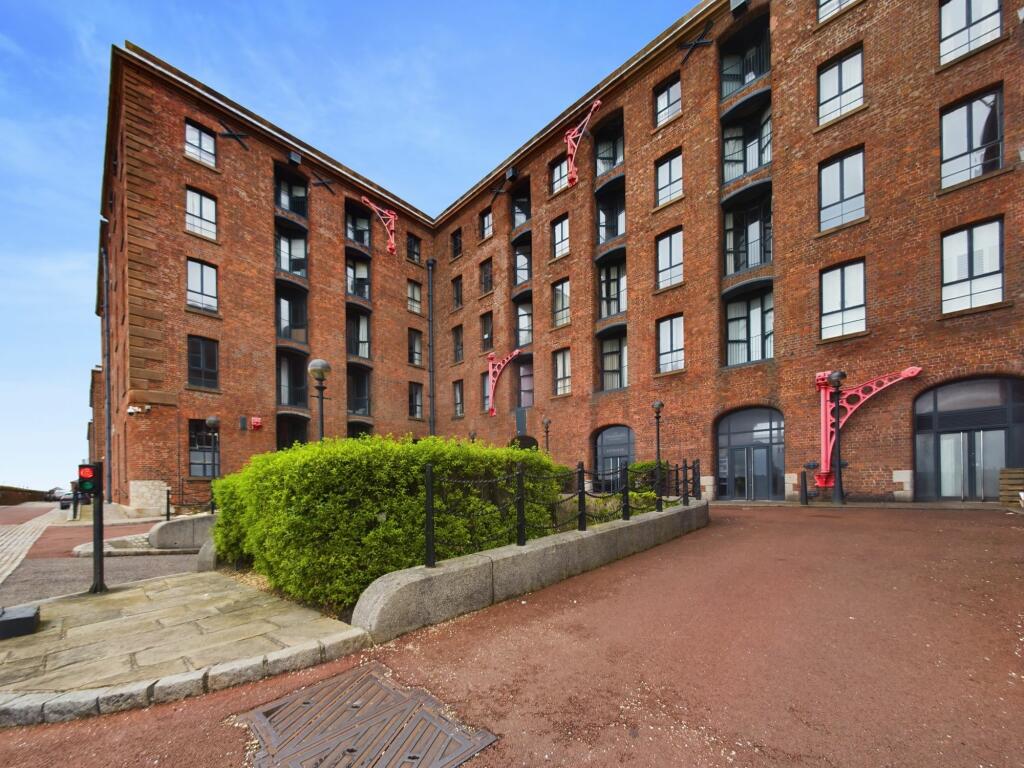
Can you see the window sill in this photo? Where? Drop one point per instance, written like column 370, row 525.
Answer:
column 666, row 374
column 204, row 238
column 414, row 312
column 208, row 390
column 417, row 366
column 668, row 122
column 483, row 240
column 976, row 310
column 207, row 166
column 975, row 180
column 454, row 258
column 560, row 327
column 667, row 288
column 415, row 263
column 841, row 227
column 557, row 259
column 485, row 351
column 667, row 203
column 455, row 363
column 990, row 44
column 456, row 309
column 838, row 14
column 200, row 478
column 416, row 418
column 564, row 189
column 203, row 312
column 844, row 337
column 738, row 366
column 485, row 295
column 560, row 397
column 611, row 391
column 834, row 120
column 458, row 418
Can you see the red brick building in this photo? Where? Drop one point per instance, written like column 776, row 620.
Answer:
column 766, row 191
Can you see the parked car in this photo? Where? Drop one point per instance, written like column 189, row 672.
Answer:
column 66, row 499
column 54, row 494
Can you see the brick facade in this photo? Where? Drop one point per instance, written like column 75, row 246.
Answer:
column 898, row 239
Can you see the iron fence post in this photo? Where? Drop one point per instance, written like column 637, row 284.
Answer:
column 803, row 487
column 520, row 506
column 696, row 479
column 213, row 506
column 657, row 486
column 625, row 492
column 686, row 483
column 167, row 506
column 581, row 498
column 677, row 480
column 429, row 484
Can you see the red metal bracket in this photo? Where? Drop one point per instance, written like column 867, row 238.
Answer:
column 850, row 399
column 572, row 142
column 387, row 218
column 494, row 369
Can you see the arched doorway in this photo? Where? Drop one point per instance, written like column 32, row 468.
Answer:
column 751, row 458
column 613, row 449
column 964, row 433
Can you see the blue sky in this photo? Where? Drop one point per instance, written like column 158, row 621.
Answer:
column 423, row 98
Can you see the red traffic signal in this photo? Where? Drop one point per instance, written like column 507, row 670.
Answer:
column 88, row 478
column 86, row 472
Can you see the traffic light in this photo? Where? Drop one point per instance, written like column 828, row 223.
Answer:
column 88, row 478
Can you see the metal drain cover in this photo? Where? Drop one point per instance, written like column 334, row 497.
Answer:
column 360, row 719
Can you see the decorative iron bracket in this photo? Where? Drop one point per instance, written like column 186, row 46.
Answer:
column 572, row 142
column 700, row 40
column 322, row 182
column 387, row 218
column 850, row 399
column 230, row 133
column 494, row 369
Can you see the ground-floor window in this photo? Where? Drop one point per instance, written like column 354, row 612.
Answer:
column 291, row 429
column 613, row 449
column 751, row 458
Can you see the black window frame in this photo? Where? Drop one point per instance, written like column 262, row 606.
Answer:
column 524, row 333
column 205, row 302
column 838, row 62
column 487, row 331
column 415, row 400
column 667, row 159
column 987, row 165
column 201, row 372
column 667, row 360
column 197, row 223
column 203, row 449
column 355, row 342
column 671, row 108
column 196, row 151
column 840, row 159
column 561, row 379
column 521, row 204
column 415, row 347
column 558, row 174
column 557, row 249
column 971, row 276
column 414, row 296
column 525, row 396
column 839, row 5
column 612, row 302
column 767, row 337
column 296, row 265
column 486, row 270
column 293, row 183
column 486, row 223
column 621, row 354
column 458, row 343
column 413, row 248
column 455, row 243
column 561, row 315
column 522, row 261
column 664, row 274
column 458, row 398
column 843, row 307
column 756, row 129
column 457, row 292
column 971, row 22
column 611, row 206
column 736, row 223
column 356, row 285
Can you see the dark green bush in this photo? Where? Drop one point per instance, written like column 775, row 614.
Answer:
column 323, row 520
column 642, row 476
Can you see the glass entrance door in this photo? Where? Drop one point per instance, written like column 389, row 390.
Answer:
column 969, row 464
column 750, row 455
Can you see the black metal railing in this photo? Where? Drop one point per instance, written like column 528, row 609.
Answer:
column 465, row 515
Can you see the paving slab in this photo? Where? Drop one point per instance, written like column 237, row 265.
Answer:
column 156, row 640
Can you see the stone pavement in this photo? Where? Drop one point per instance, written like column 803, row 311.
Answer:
column 158, row 640
column 16, row 540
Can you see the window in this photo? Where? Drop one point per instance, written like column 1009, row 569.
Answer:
column 747, row 146
column 745, row 59
column 670, row 258
column 563, row 371
column 827, row 7
column 413, row 248
column 458, row 399
column 357, row 227
column 457, row 292
column 670, row 344
column 291, row 315
column 560, row 303
column 750, row 324
column 614, row 363
column 357, row 333
column 525, row 393
column 415, row 347
column 612, row 280
column 414, row 296
column 842, row 190
column 200, row 213
column 523, row 254
column 966, row 25
column 609, row 151
column 291, row 380
column 358, row 385
column 485, row 391
column 457, row 344
column 842, row 300
column 486, row 224
column 559, row 174
column 972, row 266
column 456, row 243
column 487, row 331
column 524, row 324
column 291, row 195
column 202, row 362
column 748, row 236
column 202, row 286
column 486, row 276
column 415, row 400
column 667, row 100
column 611, row 216
column 520, row 206
column 560, row 237
column 200, row 144
column 357, row 278
column 669, row 178
column 203, row 449
column 840, row 86
column 972, row 138
column 291, row 252
column 613, row 450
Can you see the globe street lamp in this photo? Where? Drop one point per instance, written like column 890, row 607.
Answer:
column 319, row 370
column 657, row 405
column 835, row 379
column 547, row 427
column 213, row 424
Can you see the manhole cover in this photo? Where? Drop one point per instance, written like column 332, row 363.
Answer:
column 360, row 719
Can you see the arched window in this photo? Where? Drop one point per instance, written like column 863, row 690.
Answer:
column 613, row 449
column 751, row 459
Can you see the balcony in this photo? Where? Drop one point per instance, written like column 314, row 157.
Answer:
column 745, row 57
column 358, row 391
column 611, row 210
column 290, row 199
column 748, row 230
column 747, row 136
column 609, row 144
column 291, row 315
column 291, row 380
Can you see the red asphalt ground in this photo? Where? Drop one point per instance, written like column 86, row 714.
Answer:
column 22, row 513
column 58, row 541
column 778, row 636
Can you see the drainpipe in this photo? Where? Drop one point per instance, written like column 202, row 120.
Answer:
column 431, row 263
column 108, row 463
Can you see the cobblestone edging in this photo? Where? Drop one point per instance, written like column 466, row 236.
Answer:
column 32, row 708
column 128, row 546
column 17, row 540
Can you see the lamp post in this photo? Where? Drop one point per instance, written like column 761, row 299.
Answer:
column 547, row 427
column 472, row 437
column 213, row 424
column 657, row 405
column 319, row 370
column 835, row 379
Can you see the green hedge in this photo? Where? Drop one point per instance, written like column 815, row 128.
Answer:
column 321, row 521
column 642, row 476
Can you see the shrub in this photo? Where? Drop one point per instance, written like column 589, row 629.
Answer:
column 321, row 521
column 642, row 476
